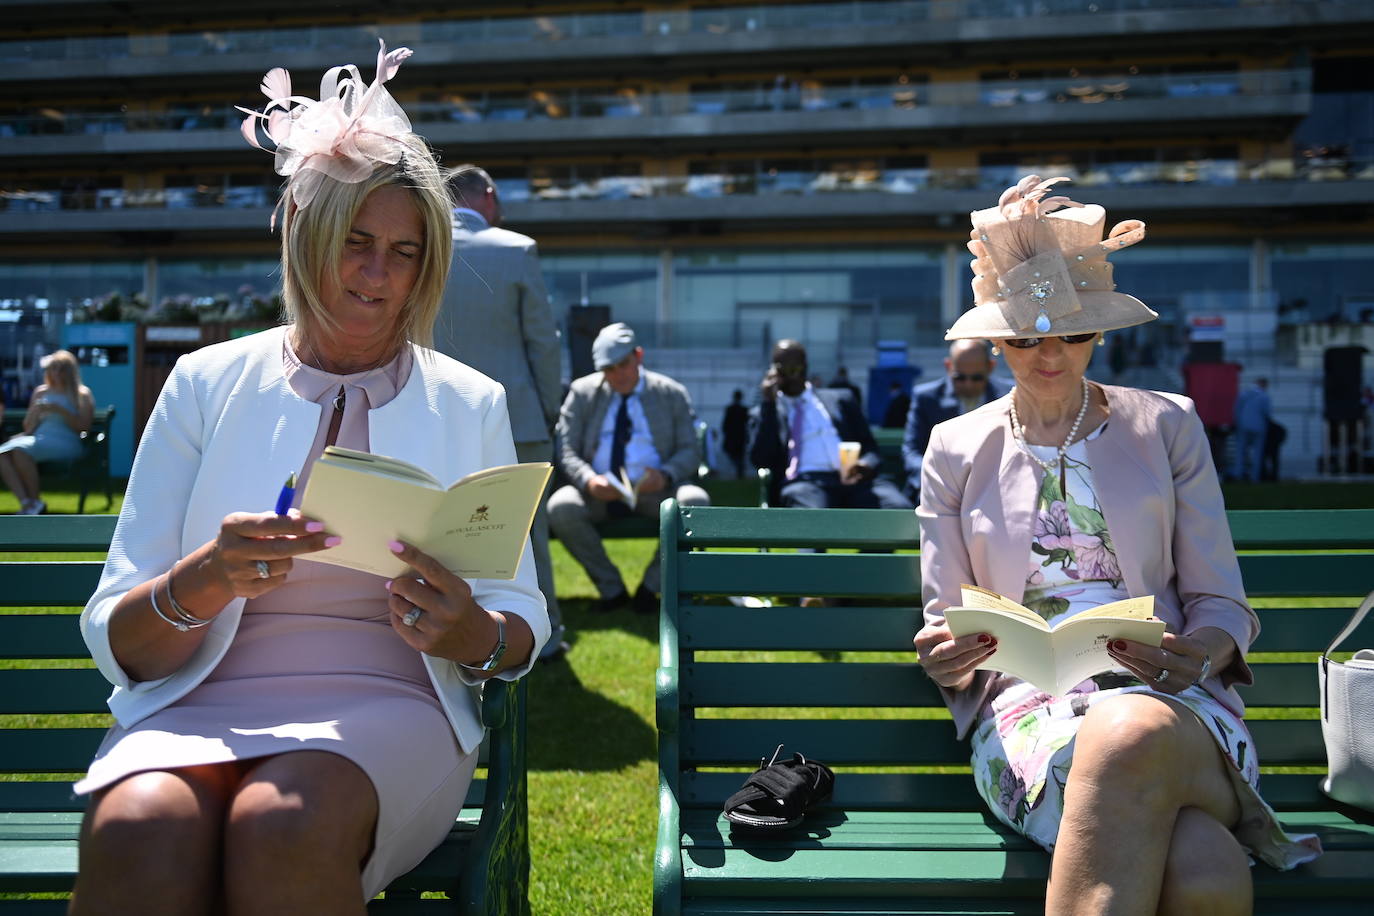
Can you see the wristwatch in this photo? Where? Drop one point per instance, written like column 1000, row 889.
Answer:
column 494, row 659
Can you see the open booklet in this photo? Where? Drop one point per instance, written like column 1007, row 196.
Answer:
column 629, row 492
column 476, row 527
column 1057, row 658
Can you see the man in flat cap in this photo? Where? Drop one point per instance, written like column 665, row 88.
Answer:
column 627, row 441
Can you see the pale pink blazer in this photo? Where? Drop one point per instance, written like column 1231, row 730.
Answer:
column 1153, row 473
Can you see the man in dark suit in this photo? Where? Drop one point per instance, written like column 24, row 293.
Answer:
column 966, row 384
column 797, row 431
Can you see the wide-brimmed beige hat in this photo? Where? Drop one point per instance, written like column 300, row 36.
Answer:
column 1038, row 273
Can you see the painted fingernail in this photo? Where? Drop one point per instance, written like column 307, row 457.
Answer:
column 1117, row 645
column 984, row 638
column 387, row 584
column 333, row 541
column 314, row 527
column 396, row 546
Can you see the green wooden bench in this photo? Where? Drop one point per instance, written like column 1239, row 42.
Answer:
column 92, row 469
column 48, row 691
column 904, row 834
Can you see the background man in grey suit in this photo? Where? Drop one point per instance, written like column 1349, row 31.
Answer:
column 621, row 416
column 496, row 318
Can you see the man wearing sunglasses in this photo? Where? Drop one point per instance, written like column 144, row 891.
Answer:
column 966, row 384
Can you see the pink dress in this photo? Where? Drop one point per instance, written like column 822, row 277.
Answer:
column 315, row 665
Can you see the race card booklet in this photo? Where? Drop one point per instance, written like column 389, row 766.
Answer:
column 629, row 492
column 476, row 527
column 1054, row 659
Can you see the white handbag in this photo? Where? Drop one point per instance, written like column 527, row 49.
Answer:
column 1348, row 719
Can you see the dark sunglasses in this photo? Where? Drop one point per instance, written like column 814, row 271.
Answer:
column 970, row 377
column 1025, row 343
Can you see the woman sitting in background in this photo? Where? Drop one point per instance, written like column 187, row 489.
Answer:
column 59, row 412
column 1064, row 495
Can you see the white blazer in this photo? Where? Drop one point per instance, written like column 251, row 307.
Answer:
column 227, row 429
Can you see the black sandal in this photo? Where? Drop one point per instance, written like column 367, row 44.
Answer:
column 777, row 795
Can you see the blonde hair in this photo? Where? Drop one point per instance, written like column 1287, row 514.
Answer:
column 63, row 370
column 313, row 239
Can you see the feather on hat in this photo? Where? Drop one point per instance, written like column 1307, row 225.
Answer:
column 344, row 135
column 1040, row 270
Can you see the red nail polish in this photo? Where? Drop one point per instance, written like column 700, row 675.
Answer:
column 1117, row 645
column 984, row 638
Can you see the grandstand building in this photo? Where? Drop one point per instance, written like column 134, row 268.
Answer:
column 720, row 174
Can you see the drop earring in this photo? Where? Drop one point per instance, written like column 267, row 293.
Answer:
column 996, row 351
column 1102, row 340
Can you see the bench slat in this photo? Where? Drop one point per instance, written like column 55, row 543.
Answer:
column 1251, row 529
column 882, row 873
column 919, row 742
column 42, row 636
column 899, row 576
column 48, row 750
column 903, row 684
column 53, row 690
column 1305, row 575
column 836, row 528
column 1286, row 529
column 57, row 533
column 799, row 574
column 890, row 629
column 857, row 829
column 955, row 791
column 38, row 850
column 68, row 583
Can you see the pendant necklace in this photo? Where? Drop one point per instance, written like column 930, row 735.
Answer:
column 1018, row 433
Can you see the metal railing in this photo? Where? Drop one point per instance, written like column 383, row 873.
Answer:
column 763, row 182
column 488, row 30
column 578, row 104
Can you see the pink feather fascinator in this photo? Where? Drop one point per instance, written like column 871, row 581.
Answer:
column 344, row 135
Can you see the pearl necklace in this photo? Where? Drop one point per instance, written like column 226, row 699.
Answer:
column 1018, row 432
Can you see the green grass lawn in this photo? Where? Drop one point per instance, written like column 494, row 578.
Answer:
column 593, row 766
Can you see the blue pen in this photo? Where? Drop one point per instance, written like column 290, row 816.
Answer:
column 288, row 494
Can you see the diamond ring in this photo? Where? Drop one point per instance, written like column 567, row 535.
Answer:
column 1162, row 676
column 412, row 616
column 263, row 571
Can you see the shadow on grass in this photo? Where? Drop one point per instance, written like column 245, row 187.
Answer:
column 572, row 727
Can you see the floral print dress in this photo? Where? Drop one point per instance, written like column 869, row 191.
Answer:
column 1023, row 742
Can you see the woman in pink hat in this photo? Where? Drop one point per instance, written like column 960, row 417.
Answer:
column 1064, row 495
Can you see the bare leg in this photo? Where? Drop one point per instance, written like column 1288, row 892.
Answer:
column 150, row 844
column 10, row 474
column 1138, row 761
column 28, row 472
column 299, row 830
column 1207, row 871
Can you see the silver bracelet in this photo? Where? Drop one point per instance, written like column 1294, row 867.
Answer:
column 191, row 619
column 181, row 626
